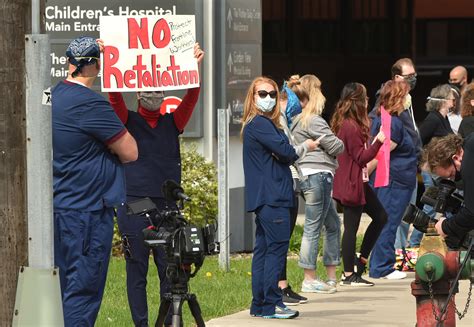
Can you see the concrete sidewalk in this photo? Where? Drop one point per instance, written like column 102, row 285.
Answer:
column 388, row 303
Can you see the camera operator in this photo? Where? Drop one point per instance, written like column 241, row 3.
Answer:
column 157, row 137
column 451, row 157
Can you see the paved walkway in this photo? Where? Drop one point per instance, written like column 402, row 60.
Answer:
column 388, row 303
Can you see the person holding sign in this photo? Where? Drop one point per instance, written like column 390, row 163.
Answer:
column 351, row 188
column 157, row 135
column 402, row 169
column 90, row 144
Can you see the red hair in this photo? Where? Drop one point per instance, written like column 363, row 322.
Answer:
column 392, row 97
column 250, row 107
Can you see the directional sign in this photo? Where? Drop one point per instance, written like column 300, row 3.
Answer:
column 244, row 63
column 241, row 62
column 243, row 21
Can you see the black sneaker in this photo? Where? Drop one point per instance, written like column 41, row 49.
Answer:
column 288, row 300
column 288, row 292
column 354, row 280
column 359, row 266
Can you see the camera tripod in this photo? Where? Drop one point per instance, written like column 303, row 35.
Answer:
column 178, row 277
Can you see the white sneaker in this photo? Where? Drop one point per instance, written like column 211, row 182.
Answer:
column 317, row 286
column 396, row 274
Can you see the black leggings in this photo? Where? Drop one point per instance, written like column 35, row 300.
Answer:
column 352, row 216
column 293, row 216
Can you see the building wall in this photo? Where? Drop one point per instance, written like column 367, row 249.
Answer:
column 342, row 41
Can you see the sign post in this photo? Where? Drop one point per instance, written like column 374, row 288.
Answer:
column 38, row 294
column 223, row 187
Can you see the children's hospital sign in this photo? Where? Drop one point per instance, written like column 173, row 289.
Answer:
column 148, row 53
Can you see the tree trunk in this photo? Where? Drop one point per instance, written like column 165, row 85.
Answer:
column 15, row 23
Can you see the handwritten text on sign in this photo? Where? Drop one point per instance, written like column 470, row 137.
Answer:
column 148, row 53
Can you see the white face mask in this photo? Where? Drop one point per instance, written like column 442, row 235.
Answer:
column 266, row 104
column 151, row 100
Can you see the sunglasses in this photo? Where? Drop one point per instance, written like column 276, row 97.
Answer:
column 263, row 94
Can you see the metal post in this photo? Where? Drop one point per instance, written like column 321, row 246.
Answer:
column 38, row 294
column 35, row 17
column 39, row 153
column 208, row 79
column 223, row 187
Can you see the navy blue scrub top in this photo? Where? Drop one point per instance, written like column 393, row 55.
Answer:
column 86, row 176
column 403, row 160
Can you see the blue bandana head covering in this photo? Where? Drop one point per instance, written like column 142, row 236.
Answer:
column 83, row 51
column 293, row 105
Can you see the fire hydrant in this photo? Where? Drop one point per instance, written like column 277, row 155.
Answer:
column 436, row 281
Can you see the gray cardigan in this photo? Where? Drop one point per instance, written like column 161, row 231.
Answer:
column 300, row 149
column 324, row 157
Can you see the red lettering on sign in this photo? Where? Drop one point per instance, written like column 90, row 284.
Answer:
column 161, row 34
column 130, row 76
column 138, row 32
column 111, row 56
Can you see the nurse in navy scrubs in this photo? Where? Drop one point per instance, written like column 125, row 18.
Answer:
column 267, row 155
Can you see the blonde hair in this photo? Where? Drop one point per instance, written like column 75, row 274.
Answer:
column 294, row 84
column 250, row 108
column 315, row 105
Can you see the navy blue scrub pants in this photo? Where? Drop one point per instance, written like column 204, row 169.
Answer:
column 394, row 198
column 82, row 245
column 137, row 257
column 272, row 238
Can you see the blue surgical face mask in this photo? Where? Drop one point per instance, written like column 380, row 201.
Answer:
column 266, row 104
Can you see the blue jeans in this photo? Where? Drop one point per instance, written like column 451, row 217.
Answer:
column 272, row 238
column 320, row 211
column 403, row 228
column 416, row 235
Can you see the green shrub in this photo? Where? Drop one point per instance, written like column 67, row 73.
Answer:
column 199, row 181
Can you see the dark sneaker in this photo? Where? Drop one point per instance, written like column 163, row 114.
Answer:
column 288, row 292
column 359, row 266
column 289, row 300
column 283, row 313
column 355, row 280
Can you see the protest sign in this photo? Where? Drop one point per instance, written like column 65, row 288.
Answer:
column 148, row 53
column 382, row 175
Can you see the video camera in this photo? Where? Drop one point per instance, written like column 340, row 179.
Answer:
column 184, row 244
column 442, row 197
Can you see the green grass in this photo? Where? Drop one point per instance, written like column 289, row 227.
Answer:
column 218, row 293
